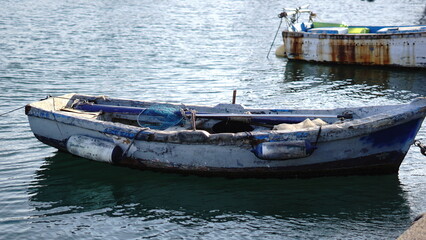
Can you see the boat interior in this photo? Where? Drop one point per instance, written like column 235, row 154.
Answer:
column 222, row 118
column 341, row 28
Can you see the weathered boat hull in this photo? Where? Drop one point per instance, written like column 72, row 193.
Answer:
column 213, row 160
column 396, row 49
column 348, row 148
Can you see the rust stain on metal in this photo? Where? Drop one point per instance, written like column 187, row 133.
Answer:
column 363, row 51
column 297, row 47
column 294, row 46
column 359, row 49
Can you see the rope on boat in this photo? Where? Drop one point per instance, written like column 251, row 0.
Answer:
column 124, row 155
column 193, row 123
column 318, row 136
column 315, row 145
column 421, row 146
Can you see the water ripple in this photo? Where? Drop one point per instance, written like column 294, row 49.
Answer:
column 188, row 52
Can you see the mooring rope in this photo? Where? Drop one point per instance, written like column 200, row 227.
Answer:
column 16, row 109
column 11, row 111
column 279, row 26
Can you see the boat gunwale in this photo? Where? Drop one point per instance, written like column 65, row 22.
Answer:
column 353, row 36
column 331, row 132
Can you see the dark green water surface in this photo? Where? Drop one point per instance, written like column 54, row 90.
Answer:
column 190, row 52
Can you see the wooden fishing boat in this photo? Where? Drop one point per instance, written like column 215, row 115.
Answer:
column 229, row 139
column 403, row 46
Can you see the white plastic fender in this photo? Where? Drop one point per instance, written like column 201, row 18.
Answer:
column 94, row 149
column 283, row 150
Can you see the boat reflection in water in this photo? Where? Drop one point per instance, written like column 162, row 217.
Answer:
column 69, row 184
column 364, row 82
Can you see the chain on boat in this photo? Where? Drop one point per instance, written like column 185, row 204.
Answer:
column 421, row 146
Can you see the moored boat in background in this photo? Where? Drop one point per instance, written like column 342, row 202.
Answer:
column 403, row 46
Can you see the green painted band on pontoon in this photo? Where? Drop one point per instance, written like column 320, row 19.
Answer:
column 357, row 30
column 324, row 24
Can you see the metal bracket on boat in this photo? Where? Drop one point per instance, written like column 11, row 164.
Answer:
column 345, row 115
column 47, row 97
column 193, row 119
column 421, row 146
column 292, row 15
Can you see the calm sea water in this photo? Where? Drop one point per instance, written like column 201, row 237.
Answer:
column 191, row 52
